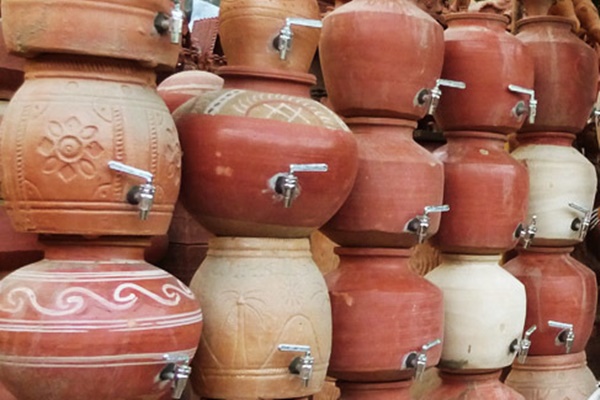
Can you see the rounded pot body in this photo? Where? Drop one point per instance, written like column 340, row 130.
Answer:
column 239, row 143
column 396, row 180
column 559, row 288
column 487, row 192
column 182, row 86
column 552, row 163
column 399, row 390
column 553, row 377
column 472, row 387
column 481, row 53
column 93, row 320
column 60, row 130
column 105, row 28
column 566, row 74
column 407, row 44
column 248, row 30
column 484, row 309
column 368, row 284
column 258, row 293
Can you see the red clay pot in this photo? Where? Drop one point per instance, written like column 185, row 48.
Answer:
column 487, row 192
column 472, row 387
column 396, row 179
column 559, row 288
column 566, row 74
column 182, row 86
column 93, row 320
column 269, row 81
column 370, row 283
column 375, row 391
column 377, row 55
column 481, row 53
column 16, row 249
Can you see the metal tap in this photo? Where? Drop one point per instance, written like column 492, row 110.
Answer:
column 301, row 365
column 286, row 183
column 418, row 360
column 142, row 195
column 283, row 41
column 433, row 95
column 171, row 23
column 419, row 225
column 527, row 234
column 566, row 336
column 519, row 108
column 178, row 371
column 521, row 347
column 582, row 225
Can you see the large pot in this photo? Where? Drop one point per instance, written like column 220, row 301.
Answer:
column 487, row 191
column 482, row 54
column 382, row 312
column 399, row 390
column 559, row 288
column 182, row 86
column 566, row 74
column 93, row 320
column 472, row 387
column 377, row 56
column 63, row 126
column 256, row 294
column 396, row 180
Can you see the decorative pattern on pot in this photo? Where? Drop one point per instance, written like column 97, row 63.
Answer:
column 262, row 298
column 472, row 387
column 263, row 164
column 182, row 86
column 61, row 129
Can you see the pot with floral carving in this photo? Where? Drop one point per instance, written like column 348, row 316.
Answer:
column 472, row 387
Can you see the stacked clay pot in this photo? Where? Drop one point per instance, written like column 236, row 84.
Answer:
column 487, row 191
column 561, row 292
column 90, row 158
column 382, row 87
column 264, row 166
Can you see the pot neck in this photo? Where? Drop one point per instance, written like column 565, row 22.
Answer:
column 475, row 138
column 382, row 126
column 448, row 376
column 550, row 138
column 267, row 80
column 102, row 248
column 535, row 250
column 547, row 22
column 494, row 22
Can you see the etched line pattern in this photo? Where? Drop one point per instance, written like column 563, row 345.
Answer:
column 21, row 207
column 119, row 151
column 151, row 118
column 88, row 276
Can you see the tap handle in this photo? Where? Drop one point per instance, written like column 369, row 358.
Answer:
column 566, row 336
column 303, row 365
column 286, row 184
column 582, row 224
column 141, row 195
column 178, row 371
column 283, row 41
column 527, row 233
column 532, row 100
column 419, row 225
column 127, row 169
column 418, row 360
column 432, row 96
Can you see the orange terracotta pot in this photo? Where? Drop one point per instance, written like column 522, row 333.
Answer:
column 472, row 387
column 269, row 81
column 11, row 70
column 182, row 86
column 376, row 391
column 16, row 249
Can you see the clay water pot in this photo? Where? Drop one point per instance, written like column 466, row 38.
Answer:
column 249, row 29
column 553, row 378
column 369, row 283
column 559, row 175
column 240, row 146
column 94, row 320
column 566, row 74
column 559, row 288
column 396, row 180
column 375, row 391
column 484, row 309
column 481, row 53
column 5, row 394
column 16, row 249
column 256, row 294
column 270, row 81
column 377, row 56
column 104, row 28
column 182, row 86
column 487, row 192
column 11, row 70
column 63, row 126
column 472, row 387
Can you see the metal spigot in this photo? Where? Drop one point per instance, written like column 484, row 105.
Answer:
column 173, row 23
column 178, row 371
column 521, row 347
column 519, row 108
column 301, row 365
column 283, row 41
column 419, row 225
column 594, row 115
column 418, row 360
column 566, row 336
column 142, row 195
column 527, row 234
column 581, row 224
column 286, row 183
column 433, row 95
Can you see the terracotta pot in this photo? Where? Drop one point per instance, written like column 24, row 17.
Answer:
column 481, row 53
column 396, row 180
column 376, row 391
column 256, row 294
column 238, row 144
column 378, row 55
column 182, row 86
column 248, row 30
column 370, row 283
column 105, row 28
column 484, row 312
column 269, row 81
column 62, row 127
column 16, row 249
column 564, row 103
column 487, row 192
column 5, row 394
column 552, row 165
column 472, row 387
column 11, row 70
column 553, row 378
column 559, row 288
column 93, row 320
